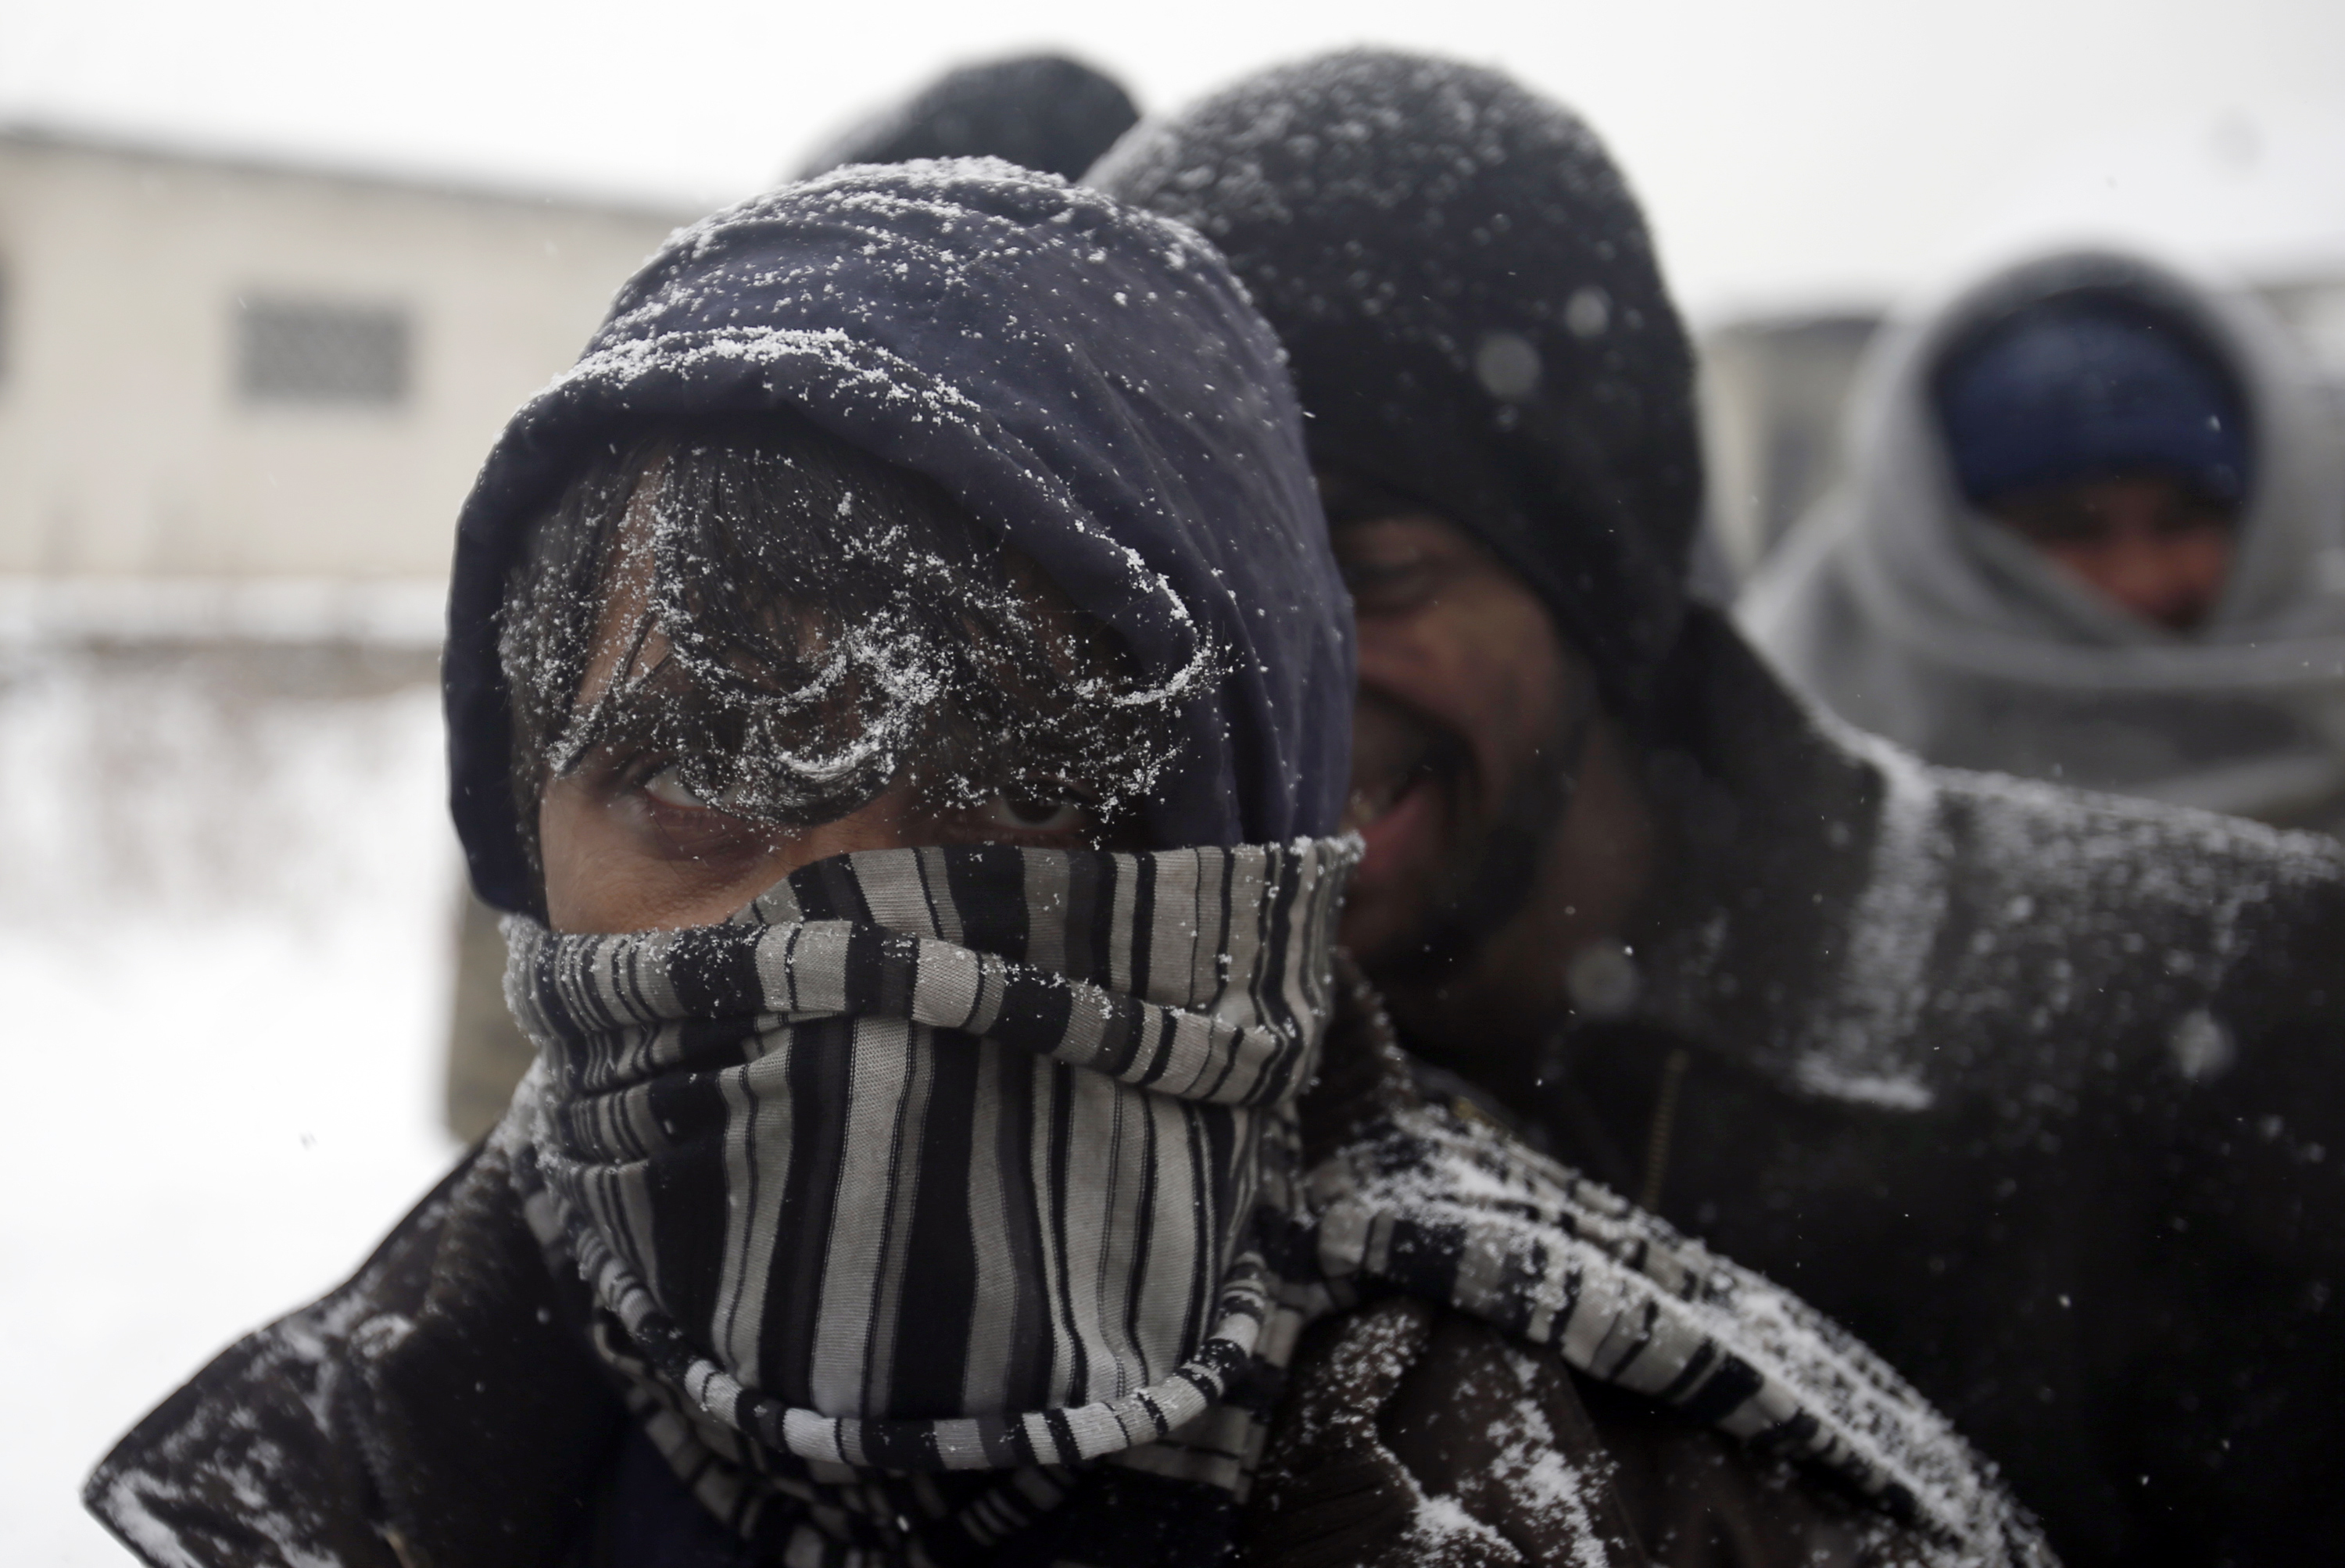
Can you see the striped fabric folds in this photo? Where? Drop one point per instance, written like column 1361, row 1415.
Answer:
column 937, row 1159
column 1449, row 1211
column 940, row 1179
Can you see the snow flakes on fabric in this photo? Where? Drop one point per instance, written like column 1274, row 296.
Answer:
column 962, row 320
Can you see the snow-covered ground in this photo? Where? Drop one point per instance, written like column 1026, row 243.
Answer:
column 227, row 899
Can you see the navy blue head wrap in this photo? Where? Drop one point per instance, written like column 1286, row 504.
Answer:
column 2078, row 388
column 1087, row 378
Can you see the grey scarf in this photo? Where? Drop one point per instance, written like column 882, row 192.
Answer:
column 1909, row 613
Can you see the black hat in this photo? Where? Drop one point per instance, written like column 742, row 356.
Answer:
column 1473, row 315
column 1042, row 112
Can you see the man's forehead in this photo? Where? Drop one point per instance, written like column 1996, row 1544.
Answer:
column 1365, row 516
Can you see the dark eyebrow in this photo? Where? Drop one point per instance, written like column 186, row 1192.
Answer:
column 1347, row 500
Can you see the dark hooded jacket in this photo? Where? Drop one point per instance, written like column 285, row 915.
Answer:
column 1091, row 382
column 2044, row 1094
column 2041, row 1092
column 1473, row 315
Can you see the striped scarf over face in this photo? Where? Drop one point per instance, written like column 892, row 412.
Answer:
column 930, row 1161
column 938, row 1173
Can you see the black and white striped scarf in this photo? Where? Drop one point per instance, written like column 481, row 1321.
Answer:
column 933, row 1161
column 938, row 1174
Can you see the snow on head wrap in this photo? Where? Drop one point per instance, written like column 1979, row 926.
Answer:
column 1088, row 380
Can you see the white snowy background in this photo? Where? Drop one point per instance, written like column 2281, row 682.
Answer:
column 1789, row 153
column 226, row 888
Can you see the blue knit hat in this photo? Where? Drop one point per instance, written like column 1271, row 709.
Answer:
column 2078, row 389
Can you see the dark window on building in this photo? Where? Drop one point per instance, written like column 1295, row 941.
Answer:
column 309, row 352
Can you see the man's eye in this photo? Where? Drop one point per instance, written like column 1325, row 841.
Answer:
column 1041, row 806
column 667, row 786
column 1384, row 578
column 2052, row 525
column 2181, row 522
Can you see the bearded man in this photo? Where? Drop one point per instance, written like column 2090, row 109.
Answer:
column 2042, row 1093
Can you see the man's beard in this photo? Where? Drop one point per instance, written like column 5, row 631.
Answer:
column 1493, row 873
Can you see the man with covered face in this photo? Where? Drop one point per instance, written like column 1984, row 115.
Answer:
column 1043, row 112
column 2042, row 1093
column 899, row 687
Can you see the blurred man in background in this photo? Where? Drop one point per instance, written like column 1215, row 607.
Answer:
column 2094, row 531
column 2042, row 1094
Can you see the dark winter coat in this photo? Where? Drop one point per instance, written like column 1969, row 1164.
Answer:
column 443, row 1409
column 2041, row 1093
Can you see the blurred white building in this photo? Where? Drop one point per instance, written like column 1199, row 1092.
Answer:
column 240, row 407
column 217, row 371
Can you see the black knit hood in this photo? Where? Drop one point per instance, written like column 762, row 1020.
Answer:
column 1474, row 312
